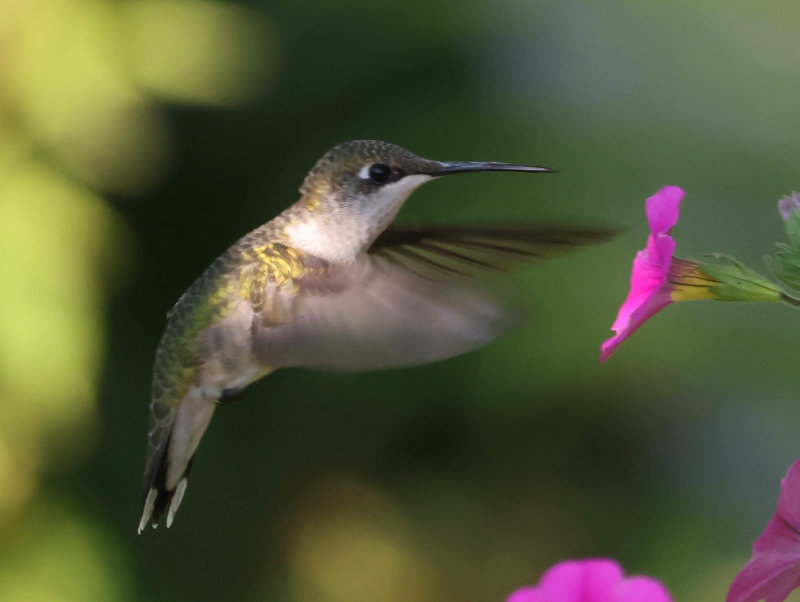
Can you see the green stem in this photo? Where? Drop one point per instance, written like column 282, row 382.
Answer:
column 790, row 300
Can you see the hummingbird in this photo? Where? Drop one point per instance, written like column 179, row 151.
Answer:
column 330, row 283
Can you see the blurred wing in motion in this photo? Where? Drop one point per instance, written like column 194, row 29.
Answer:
column 372, row 315
column 397, row 306
column 468, row 251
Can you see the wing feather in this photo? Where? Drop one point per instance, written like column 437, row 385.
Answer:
column 470, row 251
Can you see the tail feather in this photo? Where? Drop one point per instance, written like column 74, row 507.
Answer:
column 157, row 499
column 168, row 466
column 175, row 501
column 147, row 509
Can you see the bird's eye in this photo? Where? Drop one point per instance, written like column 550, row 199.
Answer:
column 379, row 173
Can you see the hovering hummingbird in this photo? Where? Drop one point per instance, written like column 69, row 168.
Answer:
column 329, row 284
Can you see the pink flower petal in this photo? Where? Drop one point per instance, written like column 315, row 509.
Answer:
column 778, row 537
column 527, row 594
column 789, row 499
column 649, row 292
column 596, row 580
column 774, row 568
column 581, row 581
column 767, row 576
column 640, row 589
column 646, row 298
column 663, row 209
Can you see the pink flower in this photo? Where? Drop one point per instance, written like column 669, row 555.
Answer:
column 658, row 278
column 774, row 568
column 595, row 580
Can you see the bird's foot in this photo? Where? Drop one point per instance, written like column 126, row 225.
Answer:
column 230, row 396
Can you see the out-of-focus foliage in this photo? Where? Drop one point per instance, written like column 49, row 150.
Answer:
column 139, row 138
column 82, row 77
column 80, row 82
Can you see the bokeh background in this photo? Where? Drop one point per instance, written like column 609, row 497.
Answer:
column 139, row 138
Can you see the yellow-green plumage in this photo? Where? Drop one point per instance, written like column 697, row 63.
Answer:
column 243, row 274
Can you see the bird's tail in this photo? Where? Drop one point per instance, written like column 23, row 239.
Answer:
column 171, row 457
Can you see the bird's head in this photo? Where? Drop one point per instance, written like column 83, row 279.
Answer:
column 356, row 189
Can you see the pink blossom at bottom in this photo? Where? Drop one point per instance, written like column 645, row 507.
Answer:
column 592, row 580
column 773, row 571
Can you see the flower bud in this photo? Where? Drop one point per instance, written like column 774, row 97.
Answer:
column 789, row 208
column 785, row 264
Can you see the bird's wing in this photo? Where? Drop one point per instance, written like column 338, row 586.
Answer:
column 467, row 251
column 372, row 314
column 400, row 304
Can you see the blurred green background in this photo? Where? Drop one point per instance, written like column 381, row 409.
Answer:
column 138, row 139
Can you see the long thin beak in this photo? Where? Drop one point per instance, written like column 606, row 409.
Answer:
column 445, row 168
